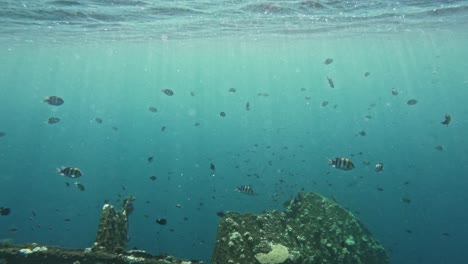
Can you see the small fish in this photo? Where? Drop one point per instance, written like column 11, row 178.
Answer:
column 152, row 109
column 150, row 159
column 2, row 134
column 115, row 128
column 412, row 102
column 67, row 184
column 303, row 89
column 324, row 103
column 362, row 133
column 161, row 221
column 330, row 82
column 447, row 120
column 212, row 167
column 153, row 178
column 406, row 200
column 446, row 234
column 409, row 231
column 247, row 189
column 380, row 189
column 197, row 124
column 163, row 128
column 247, row 106
column 366, row 74
column 79, row 186
column 222, row 114
column 341, row 163
column 232, row 90
column 53, row 100
column 439, row 148
column 98, row 120
column 71, row 172
column 394, row 92
column 220, row 213
column 53, row 120
column 168, row 92
column 4, row 211
column 328, row 61
column 192, row 93
column 378, row 167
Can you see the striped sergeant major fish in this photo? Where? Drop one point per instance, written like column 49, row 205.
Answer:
column 53, row 100
column 341, row 163
column 247, row 189
column 71, row 172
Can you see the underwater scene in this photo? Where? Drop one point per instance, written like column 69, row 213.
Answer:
column 184, row 112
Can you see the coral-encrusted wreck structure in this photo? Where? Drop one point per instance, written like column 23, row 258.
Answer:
column 312, row 229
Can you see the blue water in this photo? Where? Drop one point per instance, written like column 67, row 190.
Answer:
column 111, row 59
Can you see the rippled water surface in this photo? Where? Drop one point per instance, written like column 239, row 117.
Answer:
column 144, row 19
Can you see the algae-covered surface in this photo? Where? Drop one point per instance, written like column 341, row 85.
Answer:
column 36, row 254
column 312, row 229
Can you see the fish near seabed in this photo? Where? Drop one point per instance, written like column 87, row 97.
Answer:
column 246, row 189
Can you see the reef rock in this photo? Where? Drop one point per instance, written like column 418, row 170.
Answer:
column 312, row 229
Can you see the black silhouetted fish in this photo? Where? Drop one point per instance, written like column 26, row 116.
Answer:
column 447, row 120
column 324, row 103
column 222, row 114
column 4, row 211
column 412, row 102
column 168, row 92
column 53, row 120
column 153, row 178
column 98, row 120
column 439, row 148
column 232, row 90
column 161, row 221
column 152, row 109
column 150, row 159
column 220, row 213
column 366, row 74
column 328, row 61
column 330, row 82
column 247, row 106
column 406, row 200
column 53, row 100
column 212, row 167
column 79, row 186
